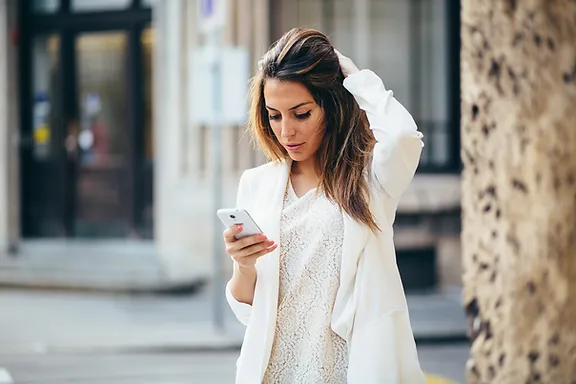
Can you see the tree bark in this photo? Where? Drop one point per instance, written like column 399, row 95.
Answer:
column 518, row 63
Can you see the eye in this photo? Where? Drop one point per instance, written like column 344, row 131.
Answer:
column 303, row 115
column 274, row 117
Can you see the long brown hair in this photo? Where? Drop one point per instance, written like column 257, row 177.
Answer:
column 306, row 56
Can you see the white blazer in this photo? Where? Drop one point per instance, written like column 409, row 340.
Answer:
column 370, row 311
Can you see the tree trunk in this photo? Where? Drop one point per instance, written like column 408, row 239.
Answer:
column 519, row 189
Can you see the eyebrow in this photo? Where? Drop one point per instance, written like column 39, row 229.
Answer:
column 294, row 107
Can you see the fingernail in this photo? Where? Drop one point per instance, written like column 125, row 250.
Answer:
column 239, row 227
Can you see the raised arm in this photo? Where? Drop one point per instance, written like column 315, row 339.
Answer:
column 399, row 143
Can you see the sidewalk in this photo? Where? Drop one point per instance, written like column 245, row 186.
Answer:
column 45, row 322
column 58, row 322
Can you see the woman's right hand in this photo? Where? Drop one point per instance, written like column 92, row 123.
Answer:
column 246, row 250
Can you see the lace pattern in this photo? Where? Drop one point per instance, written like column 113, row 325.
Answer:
column 305, row 348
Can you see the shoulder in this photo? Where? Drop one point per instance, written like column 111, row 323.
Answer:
column 254, row 181
column 253, row 175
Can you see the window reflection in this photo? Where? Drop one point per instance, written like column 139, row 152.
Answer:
column 45, row 94
column 148, row 199
column 147, row 51
column 102, row 92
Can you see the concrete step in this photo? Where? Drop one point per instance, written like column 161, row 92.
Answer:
column 82, row 265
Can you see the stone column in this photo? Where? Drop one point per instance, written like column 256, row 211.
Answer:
column 178, row 235
column 519, row 189
column 9, row 184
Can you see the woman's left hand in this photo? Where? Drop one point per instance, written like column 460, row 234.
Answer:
column 346, row 64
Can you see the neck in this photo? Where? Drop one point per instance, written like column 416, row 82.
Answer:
column 306, row 168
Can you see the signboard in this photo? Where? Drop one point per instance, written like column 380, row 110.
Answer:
column 233, row 93
column 211, row 15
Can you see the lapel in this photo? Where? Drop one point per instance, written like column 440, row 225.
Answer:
column 355, row 238
column 270, row 209
column 271, row 204
column 271, row 212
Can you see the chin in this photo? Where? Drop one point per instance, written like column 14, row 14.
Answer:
column 298, row 156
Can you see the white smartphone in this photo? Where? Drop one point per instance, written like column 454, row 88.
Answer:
column 233, row 216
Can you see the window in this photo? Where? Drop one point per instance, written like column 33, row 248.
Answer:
column 430, row 80
column 407, row 44
column 45, row 6
column 99, row 5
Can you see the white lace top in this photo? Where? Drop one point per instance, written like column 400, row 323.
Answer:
column 305, row 348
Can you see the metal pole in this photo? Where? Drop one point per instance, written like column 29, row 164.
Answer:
column 218, row 302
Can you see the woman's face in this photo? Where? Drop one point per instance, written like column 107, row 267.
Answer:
column 295, row 118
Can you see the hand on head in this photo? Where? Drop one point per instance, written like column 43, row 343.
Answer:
column 346, row 64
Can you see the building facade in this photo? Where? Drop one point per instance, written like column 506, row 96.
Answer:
column 102, row 142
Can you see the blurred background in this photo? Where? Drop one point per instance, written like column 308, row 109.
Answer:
column 110, row 172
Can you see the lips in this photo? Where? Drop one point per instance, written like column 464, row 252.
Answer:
column 294, row 147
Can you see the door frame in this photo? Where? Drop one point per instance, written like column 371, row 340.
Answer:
column 68, row 25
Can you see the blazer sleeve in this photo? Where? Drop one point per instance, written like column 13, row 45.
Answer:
column 242, row 311
column 399, row 143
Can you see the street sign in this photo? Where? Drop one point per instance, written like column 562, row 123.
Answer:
column 234, row 68
column 211, row 15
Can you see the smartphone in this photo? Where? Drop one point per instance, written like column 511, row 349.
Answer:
column 233, row 216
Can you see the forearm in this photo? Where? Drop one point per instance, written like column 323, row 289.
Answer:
column 385, row 114
column 243, row 284
column 399, row 143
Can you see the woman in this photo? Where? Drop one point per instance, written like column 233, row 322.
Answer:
column 320, row 292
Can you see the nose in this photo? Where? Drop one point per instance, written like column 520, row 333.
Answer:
column 288, row 129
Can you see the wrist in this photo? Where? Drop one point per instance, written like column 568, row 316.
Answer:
column 245, row 270
column 352, row 72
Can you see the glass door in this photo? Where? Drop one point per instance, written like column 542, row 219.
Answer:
column 44, row 170
column 101, row 136
column 86, row 119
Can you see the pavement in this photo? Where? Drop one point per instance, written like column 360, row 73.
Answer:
column 62, row 322
column 59, row 322
column 86, row 312
column 443, row 364
column 110, row 296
